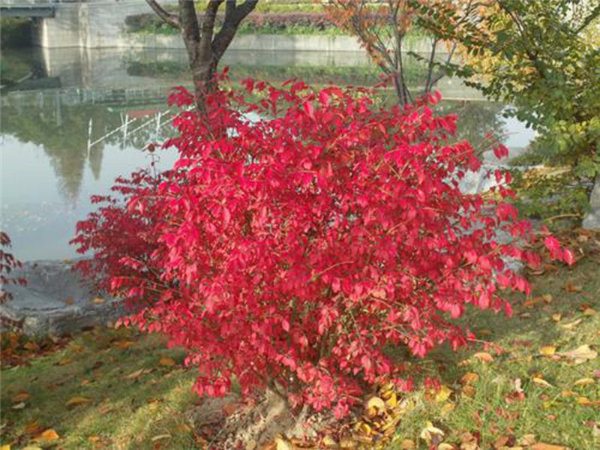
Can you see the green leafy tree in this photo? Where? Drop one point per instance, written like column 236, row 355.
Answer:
column 542, row 57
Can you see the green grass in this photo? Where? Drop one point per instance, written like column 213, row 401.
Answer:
column 551, row 413
column 128, row 413
column 123, row 412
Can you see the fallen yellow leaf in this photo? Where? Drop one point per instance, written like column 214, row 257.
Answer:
column 78, row 400
column 447, row 408
column 584, row 381
column 391, row 399
column 431, row 434
column 584, row 401
column 556, row 317
column 5, row 447
column 469, row 377
column 124, row 344
column 98, row 300
column 581, row 354
column 548, row 350
column 407, row 444
column 483, row 357
column 167, row 362
column 468, row 391
column 541, row 382
column 135, row 375
column 527, row 439
column 570, row 326
column 443, row 394
column 160, row 437
column 543, row 446
column 589, row 312
column 377, row 403
column 281, row 444
column 329, row 442
column 50, row 435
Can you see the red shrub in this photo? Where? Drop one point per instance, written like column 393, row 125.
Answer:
column 7, row 264
column 289, row 252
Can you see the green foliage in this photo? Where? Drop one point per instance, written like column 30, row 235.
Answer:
column 542, row 57
column 286, row 23
column 552, row 195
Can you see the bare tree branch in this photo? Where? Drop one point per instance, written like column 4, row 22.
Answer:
column 233, row 17
column 166, row 16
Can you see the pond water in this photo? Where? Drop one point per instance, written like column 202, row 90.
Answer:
column 58, row 105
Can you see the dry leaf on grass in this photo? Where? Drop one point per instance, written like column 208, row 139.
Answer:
column 572, row 325
column 167, row 362
column 21, row 397
column 77, row 400
column 48, row 436
column 581, row 354
column 431, row 434
column 548, row 350
column 484, row 357
column 543, row 446
column 469, row 378
column 123, row 344
column 443, row 394
column 541, row 382
column 137, row 374
column 407, row 444
column 584, row 381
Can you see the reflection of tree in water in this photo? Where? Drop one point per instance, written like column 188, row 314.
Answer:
column 20, row 64
column 476, row 120
column 62, row 132
column 95, row 160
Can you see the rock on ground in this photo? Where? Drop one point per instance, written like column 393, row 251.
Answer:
column 592, row 219
column 56, row 300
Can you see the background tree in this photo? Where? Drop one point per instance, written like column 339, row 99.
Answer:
column 383, row 28
column 542, row 58
column 204, row 46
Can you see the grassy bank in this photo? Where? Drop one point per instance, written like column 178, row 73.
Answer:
column 521, row 385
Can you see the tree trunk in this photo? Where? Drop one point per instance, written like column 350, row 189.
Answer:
column 203, row 75
column 205, row 47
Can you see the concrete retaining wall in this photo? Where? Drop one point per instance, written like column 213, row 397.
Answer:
column 101, row 24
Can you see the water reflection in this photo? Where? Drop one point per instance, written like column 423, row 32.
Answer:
column 56, row 102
